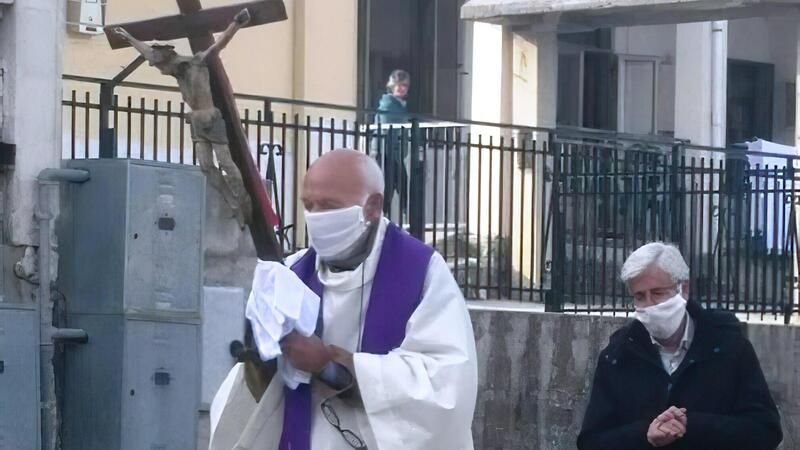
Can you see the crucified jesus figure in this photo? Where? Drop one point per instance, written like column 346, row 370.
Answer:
column 207, row 124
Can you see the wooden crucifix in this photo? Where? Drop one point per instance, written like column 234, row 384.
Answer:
column 197, row 25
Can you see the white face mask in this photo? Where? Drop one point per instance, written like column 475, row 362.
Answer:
column 334, row 231
column 664, row 319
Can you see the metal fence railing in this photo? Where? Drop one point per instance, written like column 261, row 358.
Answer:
column 519, row 213
column 732, row 214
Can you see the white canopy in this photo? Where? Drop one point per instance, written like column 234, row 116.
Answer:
column 771, row 212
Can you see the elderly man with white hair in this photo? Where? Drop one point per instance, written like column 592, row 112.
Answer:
column 678, row 376
column 391, row 316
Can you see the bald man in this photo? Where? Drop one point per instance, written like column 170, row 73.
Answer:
column 393, row 319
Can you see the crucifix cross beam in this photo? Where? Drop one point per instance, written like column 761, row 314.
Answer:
column 198, row 24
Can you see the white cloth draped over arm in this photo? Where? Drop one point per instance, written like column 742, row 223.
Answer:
column 422, row 394
column 279, row 302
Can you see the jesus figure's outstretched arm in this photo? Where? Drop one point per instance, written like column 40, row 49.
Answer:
column 140, row 46
column 239, row 21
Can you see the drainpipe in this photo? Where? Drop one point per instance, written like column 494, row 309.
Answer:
column 48, row 182
column 719, row 82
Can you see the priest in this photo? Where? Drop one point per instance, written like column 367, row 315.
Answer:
column 392, row 318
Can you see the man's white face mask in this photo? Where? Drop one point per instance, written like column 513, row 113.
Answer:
column 334, row 231
column 664, row 319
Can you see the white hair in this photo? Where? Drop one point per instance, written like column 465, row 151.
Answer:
column 666, row 257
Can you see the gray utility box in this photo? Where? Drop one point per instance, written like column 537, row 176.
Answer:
column 131, row 270
column 19, row 378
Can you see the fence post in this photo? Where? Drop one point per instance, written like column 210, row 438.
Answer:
column 676, row 206
column 791, row 240
column 554, row 300
column 107, row 141
column 268, row 115
column 416, row 200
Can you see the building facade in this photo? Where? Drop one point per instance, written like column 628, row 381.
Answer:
column 661, row 68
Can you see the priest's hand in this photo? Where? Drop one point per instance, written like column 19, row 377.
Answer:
column 308, row 354
column 342, row 357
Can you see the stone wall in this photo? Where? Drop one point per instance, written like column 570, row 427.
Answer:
column 536, row 371
column 230, row 256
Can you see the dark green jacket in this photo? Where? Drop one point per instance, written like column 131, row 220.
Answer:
column 393, row 109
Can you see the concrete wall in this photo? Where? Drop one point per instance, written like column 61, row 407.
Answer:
column 536, row 370
column 30, row 56
column 31, row 38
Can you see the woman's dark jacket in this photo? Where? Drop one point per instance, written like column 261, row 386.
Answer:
column 392, row 110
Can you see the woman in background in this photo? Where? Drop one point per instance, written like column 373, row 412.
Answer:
column 392, row 109
column 393, row 103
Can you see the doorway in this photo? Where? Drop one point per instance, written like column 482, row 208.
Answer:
column 422, row 37
column 750, row 89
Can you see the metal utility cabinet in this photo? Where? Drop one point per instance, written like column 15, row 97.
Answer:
column 131, row 269
column 19, row 376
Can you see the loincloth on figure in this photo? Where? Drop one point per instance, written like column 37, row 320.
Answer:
column 208, row 125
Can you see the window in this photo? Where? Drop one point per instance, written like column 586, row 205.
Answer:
column 587, row 89
column 587, row 80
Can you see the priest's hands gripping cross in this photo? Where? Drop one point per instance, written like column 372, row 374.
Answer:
column 310, row 354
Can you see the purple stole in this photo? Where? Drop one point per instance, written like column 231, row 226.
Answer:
column 396, row 293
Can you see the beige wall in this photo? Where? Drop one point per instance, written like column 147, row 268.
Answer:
column 260, row 60
column 488, row 105
column 528, row 184
column 512, row 82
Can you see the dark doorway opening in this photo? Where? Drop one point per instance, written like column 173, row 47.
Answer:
column 587, row 80
column 422, row 37
column 750, row 89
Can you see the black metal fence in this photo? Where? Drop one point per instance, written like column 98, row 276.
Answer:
column 519, row 213
column 732, row 214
